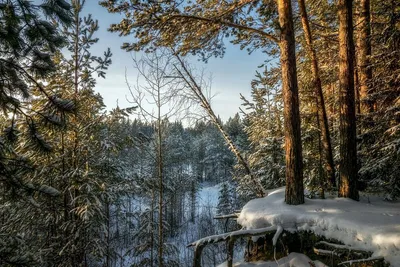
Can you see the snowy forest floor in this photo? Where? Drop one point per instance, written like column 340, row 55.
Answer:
column 371, row 224
column 204, row 224
column 292, row 260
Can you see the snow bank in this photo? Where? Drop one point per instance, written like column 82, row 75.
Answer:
column 370, row 224
column 292, row 260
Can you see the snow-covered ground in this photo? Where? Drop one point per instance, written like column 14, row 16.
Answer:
column 292, row 260
column 206, row 207
column 370, row 224
column 208, row 195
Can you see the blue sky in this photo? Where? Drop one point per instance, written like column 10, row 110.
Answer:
column 231, row 75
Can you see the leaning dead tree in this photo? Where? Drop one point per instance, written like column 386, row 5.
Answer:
column 196, row 89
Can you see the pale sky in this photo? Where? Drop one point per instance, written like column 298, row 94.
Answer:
column 231, row 75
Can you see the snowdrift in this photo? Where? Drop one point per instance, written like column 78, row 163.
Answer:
column 292, row 260
column 370, row 224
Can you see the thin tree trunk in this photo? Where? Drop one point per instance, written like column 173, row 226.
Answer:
column 160, row 181
column 322, row 181
column 107, row 204
column 348, row 148
column 76, row 255
column 193, row 202
column 327, row 155
column 357, row 89
column 364, row 54
column 152, row 228
column 294, row 160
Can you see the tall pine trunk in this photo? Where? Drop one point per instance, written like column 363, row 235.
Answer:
column 325, row 139
column 348, row 148
column 294, row 160
column 363, row 55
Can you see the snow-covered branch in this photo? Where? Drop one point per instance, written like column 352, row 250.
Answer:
column 235, row 234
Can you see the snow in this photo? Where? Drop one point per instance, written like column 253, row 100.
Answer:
column 208, row 196
column 370, row 224
column 292, row 260
column 239, row 233
column 358, row 261
column 49, row 190
column 277, row 234
column 206, row 207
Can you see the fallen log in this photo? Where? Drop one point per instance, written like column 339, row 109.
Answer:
column 230, row 238
column 227, row 216
column 237, row 234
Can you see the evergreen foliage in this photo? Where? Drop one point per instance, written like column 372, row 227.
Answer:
column 264, row 129
column 62, row 119
column 84, row 187
column 28, row 42
column 380, row 128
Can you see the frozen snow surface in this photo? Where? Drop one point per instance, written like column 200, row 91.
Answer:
column 370, row 224
column 292, row 260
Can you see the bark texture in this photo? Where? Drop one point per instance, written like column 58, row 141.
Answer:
column 363, row 55
column 327, row 155
column 348, row 148
column 294, row 160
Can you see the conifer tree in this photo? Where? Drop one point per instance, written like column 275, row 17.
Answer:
column 28, row 42
column 326, row 154
column 380, row 134
column 74, row 220
column 348, row 149
column 82, row 192
column 264, row 129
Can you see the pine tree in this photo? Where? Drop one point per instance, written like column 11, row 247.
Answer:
column 325, row 146
column 28, row 42
column 348, row 150
column 224, row 200
column 73, row 221
column 380, row 135
column 264, row 130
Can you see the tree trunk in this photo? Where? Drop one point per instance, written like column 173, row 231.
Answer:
column 327, row 155
column 76, row 255
column 160, row 181
column 348, row 148
column 152, row 227
column 294, row 160
column 364, row 53
column 193, row 203
column 108, row 237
